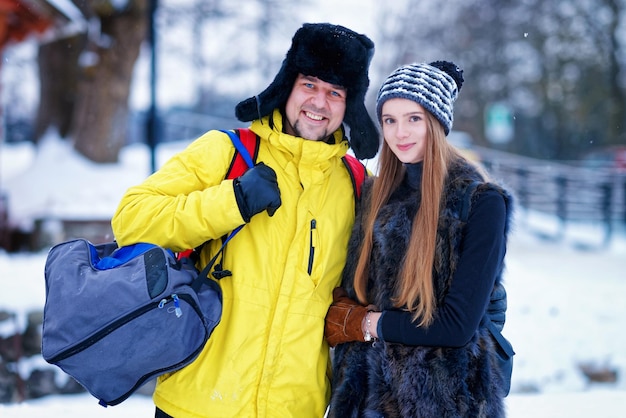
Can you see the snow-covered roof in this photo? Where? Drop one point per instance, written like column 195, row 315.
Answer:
column 51, row 18
column 62, row 10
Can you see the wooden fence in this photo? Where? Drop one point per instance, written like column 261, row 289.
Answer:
column 572, row 194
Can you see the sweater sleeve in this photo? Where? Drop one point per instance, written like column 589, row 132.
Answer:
column 482, row 253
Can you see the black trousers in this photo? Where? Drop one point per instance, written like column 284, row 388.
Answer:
column 160, row 414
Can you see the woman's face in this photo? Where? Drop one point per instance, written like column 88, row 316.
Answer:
column 404, row 125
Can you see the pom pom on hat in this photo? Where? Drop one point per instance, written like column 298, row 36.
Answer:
column 336, row 55
column 434, row 86
column 452, row 70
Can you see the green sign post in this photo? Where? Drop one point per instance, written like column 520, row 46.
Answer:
column 498, row 124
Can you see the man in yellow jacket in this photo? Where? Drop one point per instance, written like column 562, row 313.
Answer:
column 268, row 356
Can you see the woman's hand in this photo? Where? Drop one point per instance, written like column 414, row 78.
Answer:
column 346, row 320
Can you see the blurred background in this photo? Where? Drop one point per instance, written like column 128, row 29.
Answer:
column 543, row 105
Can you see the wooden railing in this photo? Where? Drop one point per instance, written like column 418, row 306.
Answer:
column 571, row 193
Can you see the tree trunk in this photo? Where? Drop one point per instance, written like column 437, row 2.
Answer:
column 101, row 112
column 58, row 78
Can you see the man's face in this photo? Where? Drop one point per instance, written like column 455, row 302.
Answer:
column 315, row 108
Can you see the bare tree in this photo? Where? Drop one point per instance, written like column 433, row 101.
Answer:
column 557, row 64
column 609, row 33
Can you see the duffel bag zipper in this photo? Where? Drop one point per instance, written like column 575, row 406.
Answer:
column 122, row 321
column 177, row 310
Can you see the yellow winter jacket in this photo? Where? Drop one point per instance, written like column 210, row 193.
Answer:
column 268, row 356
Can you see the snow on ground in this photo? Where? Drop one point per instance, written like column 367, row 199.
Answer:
column 566, row 306
column 588, row 404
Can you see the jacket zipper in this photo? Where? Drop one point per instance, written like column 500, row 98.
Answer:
column 312, row 245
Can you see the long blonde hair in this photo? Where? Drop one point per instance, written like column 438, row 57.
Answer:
column 414, row 287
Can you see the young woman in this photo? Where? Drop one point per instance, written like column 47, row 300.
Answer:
column 406, row 322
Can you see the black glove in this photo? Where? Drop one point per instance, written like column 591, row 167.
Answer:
column 257, row 190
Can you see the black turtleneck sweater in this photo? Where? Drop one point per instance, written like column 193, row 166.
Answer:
column 482, row 251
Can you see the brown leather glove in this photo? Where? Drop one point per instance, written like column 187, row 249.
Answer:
column 344, row 319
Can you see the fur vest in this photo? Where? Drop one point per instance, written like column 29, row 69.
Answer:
column 394, row 380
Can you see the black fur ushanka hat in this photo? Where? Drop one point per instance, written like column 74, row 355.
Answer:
column 336, row 55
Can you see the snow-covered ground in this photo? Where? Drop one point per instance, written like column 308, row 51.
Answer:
column 566, row 301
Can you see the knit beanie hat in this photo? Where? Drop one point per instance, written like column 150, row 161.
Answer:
column 336, row 55
column 434, row 86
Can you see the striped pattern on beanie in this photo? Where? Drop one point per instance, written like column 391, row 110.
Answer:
column 426, row 85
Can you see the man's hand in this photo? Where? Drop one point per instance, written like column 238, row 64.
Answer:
column 257, row 190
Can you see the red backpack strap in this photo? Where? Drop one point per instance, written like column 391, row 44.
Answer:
column 238, row 165
column 357, row 171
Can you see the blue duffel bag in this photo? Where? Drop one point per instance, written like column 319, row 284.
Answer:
column 116, row 317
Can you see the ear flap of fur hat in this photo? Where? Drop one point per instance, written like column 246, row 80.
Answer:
column 336, row 55
column 364, row 138
column 274, row 96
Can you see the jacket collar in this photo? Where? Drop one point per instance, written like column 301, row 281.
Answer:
column 304, row 151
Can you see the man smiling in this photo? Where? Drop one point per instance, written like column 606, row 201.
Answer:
column 268, row 356
column 315, row 108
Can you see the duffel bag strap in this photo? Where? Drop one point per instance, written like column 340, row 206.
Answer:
column 204, row 274
column 243, row 150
